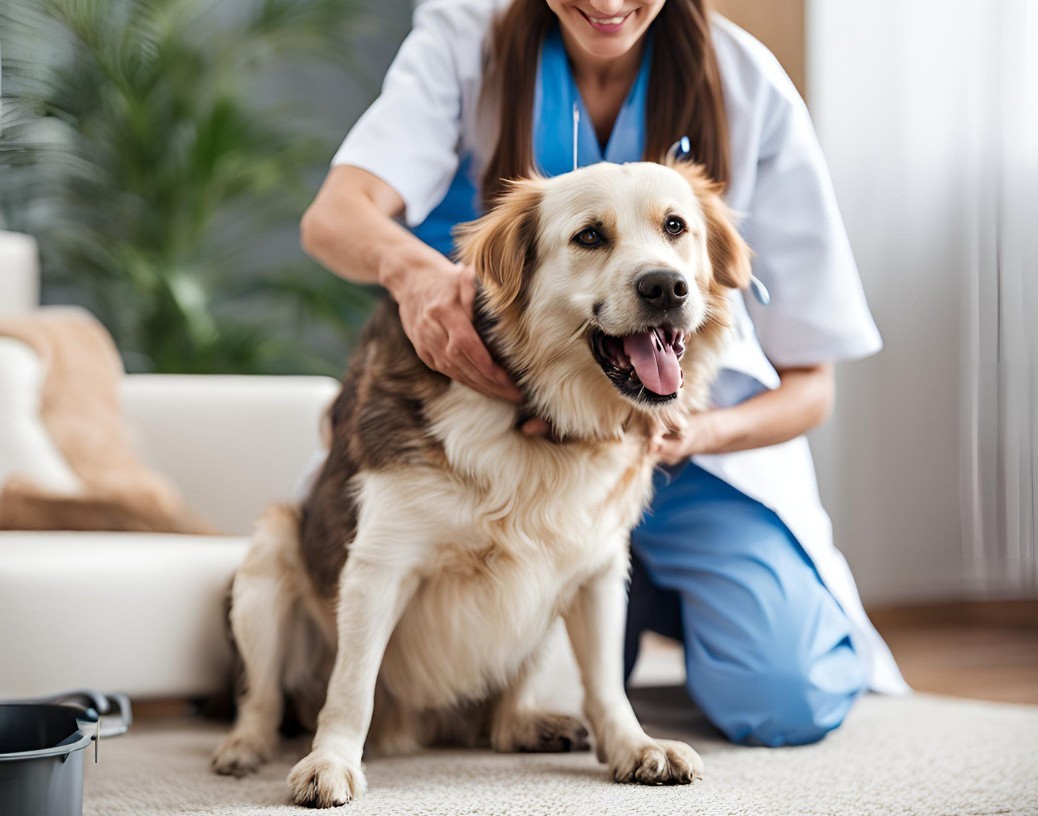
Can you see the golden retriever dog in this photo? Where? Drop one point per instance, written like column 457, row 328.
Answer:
column 407, row 600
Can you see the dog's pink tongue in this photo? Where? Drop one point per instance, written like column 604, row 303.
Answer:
column 655, row 362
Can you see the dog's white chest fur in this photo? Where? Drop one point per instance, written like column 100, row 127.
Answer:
column 501, row 539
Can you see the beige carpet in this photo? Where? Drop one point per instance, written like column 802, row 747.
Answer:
column 921, row 755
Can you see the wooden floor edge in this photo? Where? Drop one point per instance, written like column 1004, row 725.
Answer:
column 1014, row 613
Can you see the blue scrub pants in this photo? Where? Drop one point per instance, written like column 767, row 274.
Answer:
column 768, row 650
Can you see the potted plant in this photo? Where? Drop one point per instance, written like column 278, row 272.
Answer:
column 134, row 148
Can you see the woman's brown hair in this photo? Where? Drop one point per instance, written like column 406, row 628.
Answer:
column 684, row 98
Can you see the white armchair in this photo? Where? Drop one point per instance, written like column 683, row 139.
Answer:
column 19, row 273
column 143, row 613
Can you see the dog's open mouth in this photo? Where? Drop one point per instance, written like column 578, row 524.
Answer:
column 643, row 366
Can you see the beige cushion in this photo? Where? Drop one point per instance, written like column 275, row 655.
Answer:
column 78, row 399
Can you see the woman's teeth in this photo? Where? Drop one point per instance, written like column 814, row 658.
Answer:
column 608, row 20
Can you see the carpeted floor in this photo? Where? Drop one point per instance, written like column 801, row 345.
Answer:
column 924, row 755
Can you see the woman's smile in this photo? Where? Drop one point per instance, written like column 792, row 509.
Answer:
column 607, row 25
column 599, row 32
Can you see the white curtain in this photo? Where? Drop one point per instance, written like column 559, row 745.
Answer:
column 1000, row 353
column 928, row 113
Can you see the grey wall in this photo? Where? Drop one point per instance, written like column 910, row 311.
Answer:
column 334, row 98
column 888, row 114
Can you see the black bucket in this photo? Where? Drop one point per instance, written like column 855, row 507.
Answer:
column 41, row 773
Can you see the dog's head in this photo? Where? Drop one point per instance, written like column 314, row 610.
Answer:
column 606, row 287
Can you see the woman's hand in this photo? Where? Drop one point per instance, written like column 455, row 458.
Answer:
column 689, row 435
column 436, row 306
column 350, row 229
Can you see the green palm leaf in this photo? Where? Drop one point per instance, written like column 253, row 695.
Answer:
column 132, row 148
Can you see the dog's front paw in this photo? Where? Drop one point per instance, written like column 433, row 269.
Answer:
column 659, row 762
column 241, row 753
column 324, row 779
column 540, row 732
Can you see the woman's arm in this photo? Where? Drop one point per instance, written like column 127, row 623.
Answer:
column 802, row 401
column 350, row 229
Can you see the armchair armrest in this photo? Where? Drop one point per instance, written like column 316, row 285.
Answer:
column 19, row 274
column 232, row 444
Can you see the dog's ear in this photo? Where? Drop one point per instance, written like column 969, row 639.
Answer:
column 502, row 245
column 729, row 254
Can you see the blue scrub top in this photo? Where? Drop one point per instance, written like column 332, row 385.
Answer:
column 555, row 95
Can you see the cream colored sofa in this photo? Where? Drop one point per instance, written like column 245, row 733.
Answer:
column 142, row 614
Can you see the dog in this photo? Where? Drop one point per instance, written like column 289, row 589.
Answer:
column 407, row 600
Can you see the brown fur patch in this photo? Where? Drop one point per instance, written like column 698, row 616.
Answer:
column 502, row 245
column 657, row 216
column 377, row 422
column 605, row 224
column 729, row 254
column 465, row 562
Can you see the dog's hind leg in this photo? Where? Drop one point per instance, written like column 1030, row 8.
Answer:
column 517, row 725
column 396, row 728
column 264, row 600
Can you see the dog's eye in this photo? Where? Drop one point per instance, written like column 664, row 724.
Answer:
column 589, row 237
column 674, row 225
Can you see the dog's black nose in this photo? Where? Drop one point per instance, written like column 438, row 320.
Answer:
column 662, row 288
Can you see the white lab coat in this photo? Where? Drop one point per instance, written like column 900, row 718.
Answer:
column 413, row 138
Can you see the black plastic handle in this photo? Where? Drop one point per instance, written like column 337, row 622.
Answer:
column 113, row 709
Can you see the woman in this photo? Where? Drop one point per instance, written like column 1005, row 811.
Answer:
column 735, row 556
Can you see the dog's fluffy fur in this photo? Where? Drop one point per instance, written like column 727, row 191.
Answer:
column 406, row 601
